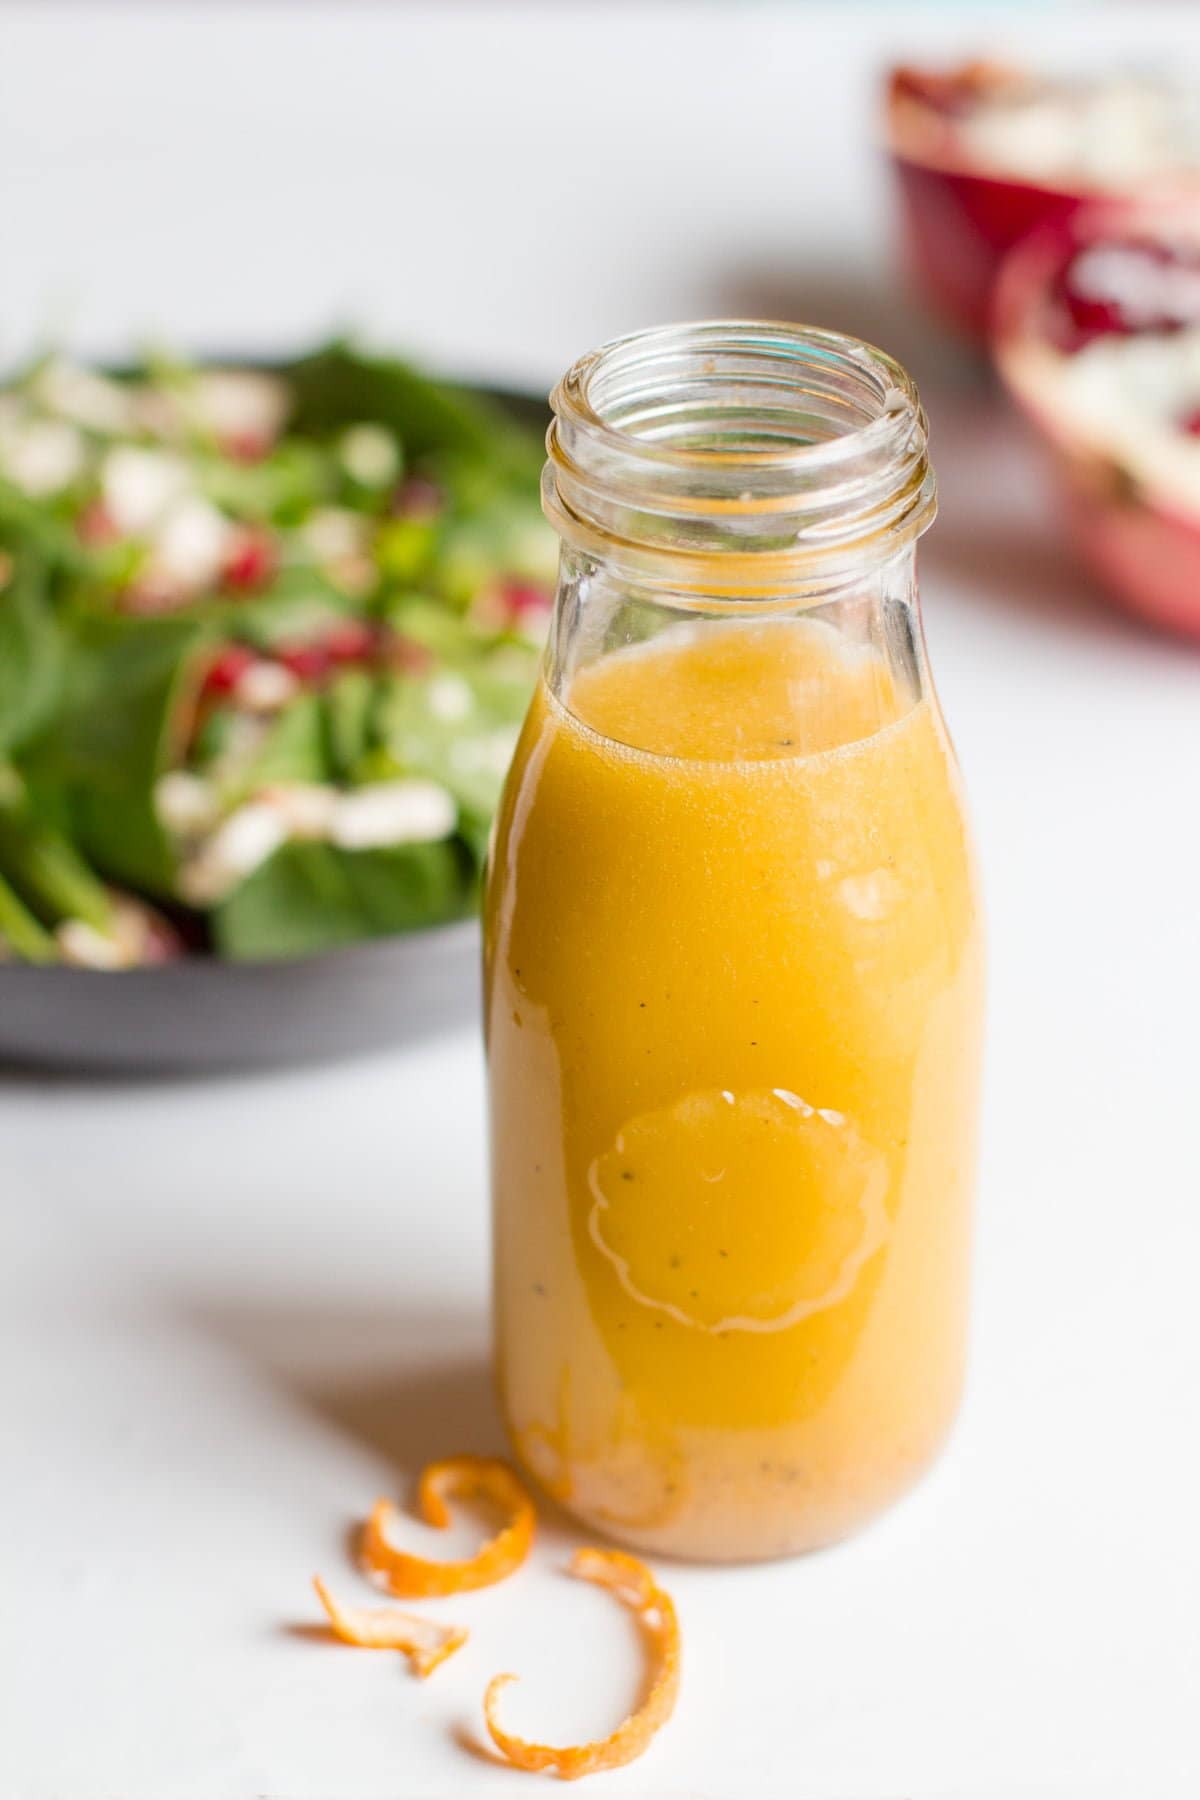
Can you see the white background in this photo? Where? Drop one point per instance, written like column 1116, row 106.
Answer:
column 233, row 1311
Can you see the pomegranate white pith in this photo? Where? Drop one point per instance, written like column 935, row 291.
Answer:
column 1098, row 339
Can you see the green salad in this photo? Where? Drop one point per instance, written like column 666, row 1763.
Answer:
column 266, row 639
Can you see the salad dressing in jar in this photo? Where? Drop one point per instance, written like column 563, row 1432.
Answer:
column 733, row 960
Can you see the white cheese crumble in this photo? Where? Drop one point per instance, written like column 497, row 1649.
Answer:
column 307, row 808
column 388, row 814
column 393, row 812
column 370, row 455
column 489, row 755
column 265, row 687
column 186, row 804
column 449, row 698
column 140, row 487
column 246, row 839
column 86, row 948
column 237, row 403
column 84, row 397
column 41, row 456
column 191, row 544
column 333, row 532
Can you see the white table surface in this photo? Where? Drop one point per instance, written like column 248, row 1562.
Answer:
column 233, row 1311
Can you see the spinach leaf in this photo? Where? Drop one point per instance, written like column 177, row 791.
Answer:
column 127, row 708
column 33, row 527
column 20, row 931
column 349, row 717
column 281, row 490
column 50, row 875
column 294, row 748
column 340, row 386
column 31, row 656
column 300, row 604
column 311, row 897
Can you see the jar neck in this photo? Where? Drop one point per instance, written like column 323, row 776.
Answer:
column 729, row 463
column 600, row 613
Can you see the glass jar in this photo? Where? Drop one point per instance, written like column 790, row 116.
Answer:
column 733, row 959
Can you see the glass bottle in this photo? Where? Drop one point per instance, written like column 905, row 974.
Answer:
column 733, row 959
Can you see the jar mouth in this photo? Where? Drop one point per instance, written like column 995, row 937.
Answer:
column 794, row 451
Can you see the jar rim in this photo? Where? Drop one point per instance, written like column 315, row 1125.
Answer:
column 897, row 390
column 789, row 446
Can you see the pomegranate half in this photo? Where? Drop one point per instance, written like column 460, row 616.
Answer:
column 1096, row 333
column 984, row 154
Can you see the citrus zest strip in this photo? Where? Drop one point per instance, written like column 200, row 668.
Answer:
column 634, row 1585
column 457, row 1478
column 425, row 1642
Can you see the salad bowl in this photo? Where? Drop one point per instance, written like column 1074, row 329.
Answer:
column 267, row 633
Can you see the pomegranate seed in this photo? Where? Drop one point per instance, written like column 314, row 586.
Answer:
column 96, row 525
column 245, row 446
column 406, row 656
column 251, row 562
column 417, row 498
column 520, row 598
column 227, row 669
column 307, row 662
column 162, row 943
column 349, row 641
column 149, row 596
column 1118, row 289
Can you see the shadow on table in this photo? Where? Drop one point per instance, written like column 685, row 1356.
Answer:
column 1025, row 574
column 408, row 1385
column 859, row 303
column 998, row 542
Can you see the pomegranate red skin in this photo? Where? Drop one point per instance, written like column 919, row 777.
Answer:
column 959, row 227
column 1146, row 555
column 1144, row 549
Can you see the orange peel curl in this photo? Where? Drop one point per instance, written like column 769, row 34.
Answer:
column 457, row 1478
column 425, row 1642
column 634, row 1585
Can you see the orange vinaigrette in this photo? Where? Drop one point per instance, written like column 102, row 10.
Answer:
column 734, row 988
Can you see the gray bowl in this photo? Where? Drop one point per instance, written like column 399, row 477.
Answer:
column 204, row 1015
